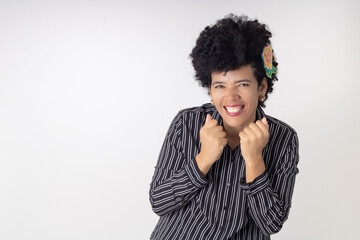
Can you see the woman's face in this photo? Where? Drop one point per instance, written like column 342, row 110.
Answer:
column 235, row 95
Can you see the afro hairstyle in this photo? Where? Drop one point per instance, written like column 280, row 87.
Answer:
column 230, row 43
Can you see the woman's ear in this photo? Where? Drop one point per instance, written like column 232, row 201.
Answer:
column 209, row 92
column 263, row 86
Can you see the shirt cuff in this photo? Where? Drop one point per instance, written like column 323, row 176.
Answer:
column 258, row 184
column 193, row 171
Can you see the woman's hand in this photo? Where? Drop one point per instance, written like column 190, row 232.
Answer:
column 213, row 140
column 253, row 139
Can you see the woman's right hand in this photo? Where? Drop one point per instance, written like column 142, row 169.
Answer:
column 213, row 140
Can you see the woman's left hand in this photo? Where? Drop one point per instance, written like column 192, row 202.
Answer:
column 253, row 139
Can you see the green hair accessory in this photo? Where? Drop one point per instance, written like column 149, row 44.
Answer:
column 267, row 57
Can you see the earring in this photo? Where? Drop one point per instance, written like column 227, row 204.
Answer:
column 262, row 99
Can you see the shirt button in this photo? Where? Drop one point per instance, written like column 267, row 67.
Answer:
column 228, row 184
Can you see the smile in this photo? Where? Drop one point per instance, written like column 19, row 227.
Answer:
column 234, row 110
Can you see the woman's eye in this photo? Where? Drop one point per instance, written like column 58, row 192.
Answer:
column 243, row 85
column 219, row 86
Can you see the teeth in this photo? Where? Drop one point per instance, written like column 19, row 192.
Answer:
column 234, row 109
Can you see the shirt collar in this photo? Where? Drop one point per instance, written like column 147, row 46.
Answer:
column 216, row 115
column 259, row 113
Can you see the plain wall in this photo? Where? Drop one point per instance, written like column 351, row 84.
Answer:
column 88, row 90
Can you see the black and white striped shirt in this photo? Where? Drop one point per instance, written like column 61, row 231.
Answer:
column 221, row 205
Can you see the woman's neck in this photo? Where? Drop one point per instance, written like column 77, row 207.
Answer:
column 232, row 132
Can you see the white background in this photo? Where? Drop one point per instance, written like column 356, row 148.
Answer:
column 88, row 90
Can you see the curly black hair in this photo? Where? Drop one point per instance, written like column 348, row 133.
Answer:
column 234, row 41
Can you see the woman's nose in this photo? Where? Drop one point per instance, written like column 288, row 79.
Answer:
column 232, row 93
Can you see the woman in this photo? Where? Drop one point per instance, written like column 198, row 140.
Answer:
column 226, row 170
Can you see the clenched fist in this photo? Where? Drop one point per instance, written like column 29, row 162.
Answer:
column 213, row 140
column 253, row 139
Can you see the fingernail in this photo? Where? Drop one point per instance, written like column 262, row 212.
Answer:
column 264, row 120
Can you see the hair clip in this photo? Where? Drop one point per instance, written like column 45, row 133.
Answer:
column 267, row 57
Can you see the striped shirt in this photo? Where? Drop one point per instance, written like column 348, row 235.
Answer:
column 221, row 205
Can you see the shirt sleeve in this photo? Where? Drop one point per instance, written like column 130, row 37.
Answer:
column 269, row 195
column 177, row 179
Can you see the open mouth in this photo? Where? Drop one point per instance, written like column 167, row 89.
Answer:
column 234, row 110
